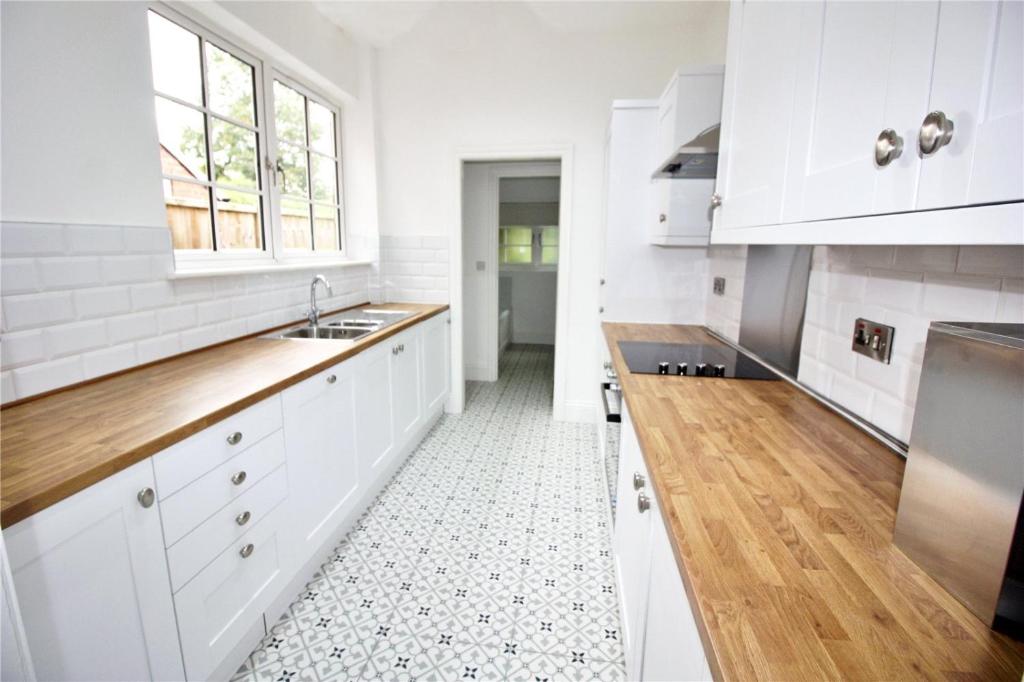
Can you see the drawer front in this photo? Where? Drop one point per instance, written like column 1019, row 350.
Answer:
column 184, row 462
column 186, row 509
column 188, row 556
column 218, row 607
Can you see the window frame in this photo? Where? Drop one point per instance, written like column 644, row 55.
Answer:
column 265, row 71
column 536, row 251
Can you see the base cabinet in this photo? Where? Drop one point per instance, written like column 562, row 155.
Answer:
column 375, row 435
column 660, row 636
column 91, row 579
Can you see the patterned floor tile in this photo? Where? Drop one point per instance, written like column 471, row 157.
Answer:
column 487, row 557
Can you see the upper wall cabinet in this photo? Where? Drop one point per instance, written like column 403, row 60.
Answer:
column 875, row 112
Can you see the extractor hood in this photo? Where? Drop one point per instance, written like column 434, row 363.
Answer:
column 697, row 158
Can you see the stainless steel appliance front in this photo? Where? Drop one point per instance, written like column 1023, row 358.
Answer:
column 963, row 485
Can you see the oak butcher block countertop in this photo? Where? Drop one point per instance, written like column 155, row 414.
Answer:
column 56, row 445
column 781, row 516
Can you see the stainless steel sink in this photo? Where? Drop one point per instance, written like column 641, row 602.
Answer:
column 335, row 333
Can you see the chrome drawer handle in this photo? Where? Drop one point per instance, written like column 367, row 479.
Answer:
column 247, row 550
column 146, row 497
column 638, row 481
column 243, row 518
column 235, row 438
column 643, row 503
column 936, row 133
column 331, row 378
column 716, row 200
column 888, row 147
column 394, row 350
column 238, row 478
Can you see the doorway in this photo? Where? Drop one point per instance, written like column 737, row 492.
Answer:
column 508, row 283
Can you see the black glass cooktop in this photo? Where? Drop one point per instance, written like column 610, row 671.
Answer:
column 691, row 360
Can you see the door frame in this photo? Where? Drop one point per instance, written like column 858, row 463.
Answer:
column 562, row 153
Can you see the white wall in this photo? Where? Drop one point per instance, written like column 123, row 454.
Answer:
column 531, row 298
column 87, row 259
column 475, row 75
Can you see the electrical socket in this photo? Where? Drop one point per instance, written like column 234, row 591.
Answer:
column 873, row 340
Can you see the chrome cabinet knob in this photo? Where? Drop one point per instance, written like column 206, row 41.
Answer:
column 235, row 438
column 243, row 518
column 643, row 503
column 146, row 497
column 662, row 217
column 238, row 478
column 246, row 551
column 716, row 200
column 888, row 147
column 936, row 133
column 331, row 378
column 638, row 481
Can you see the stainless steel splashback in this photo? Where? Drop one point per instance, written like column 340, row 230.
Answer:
column 961, row 498
column 774, row 296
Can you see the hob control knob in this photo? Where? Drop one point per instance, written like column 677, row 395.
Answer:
column 701, row 370
column 681, row 369
column 719, row 370
column 662, row 368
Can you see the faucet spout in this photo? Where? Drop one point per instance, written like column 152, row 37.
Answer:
column 314, row 313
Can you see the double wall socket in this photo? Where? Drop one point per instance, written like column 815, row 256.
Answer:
column 873, row 339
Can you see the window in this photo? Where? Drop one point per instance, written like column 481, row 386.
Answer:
column 222, row 201
column 528, row 247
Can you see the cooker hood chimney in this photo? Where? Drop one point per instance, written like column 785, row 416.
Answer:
column 697, row 158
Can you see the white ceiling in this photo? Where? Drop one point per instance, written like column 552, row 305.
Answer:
column 382, row 23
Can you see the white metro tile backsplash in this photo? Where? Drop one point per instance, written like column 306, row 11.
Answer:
column 723, row 312
column 81, row 301
column 906, row 287
column 415, row 268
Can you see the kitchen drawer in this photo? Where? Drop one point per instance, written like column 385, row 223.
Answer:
column 184, row 462
column 188, row 556
column 219, row 606
column 187, row 508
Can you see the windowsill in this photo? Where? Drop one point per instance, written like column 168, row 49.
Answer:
column 228, row 270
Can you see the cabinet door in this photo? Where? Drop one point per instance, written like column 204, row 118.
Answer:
column 323, row 471
column 375, row 435
column 672, row 644
column 861, row 72
column 406, row 395
column 435, row 362
column 91, row 577
column 632, row 545
column 760, row 78
column 978, row 82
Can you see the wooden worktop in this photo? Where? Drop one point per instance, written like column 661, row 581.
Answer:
column 781, row 516
column 58, row 444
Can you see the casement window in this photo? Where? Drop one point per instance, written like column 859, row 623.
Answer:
column 526, row 247
column 250, row 159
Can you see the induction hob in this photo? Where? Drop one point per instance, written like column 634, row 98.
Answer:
column 679, row 359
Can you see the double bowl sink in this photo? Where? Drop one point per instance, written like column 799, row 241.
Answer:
column 350, row 325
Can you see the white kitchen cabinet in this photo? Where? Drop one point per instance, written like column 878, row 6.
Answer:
column 762, row 59
column 435, row 361
column 375, row 434
column 660, row 637
column 691, row 102
column 811, row 87
column 406, row 392
column 978, row 81
column 323, row 469
column 92, row 581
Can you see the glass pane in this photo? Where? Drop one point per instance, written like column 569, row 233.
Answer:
column 549, row 236
column 295, row 224
column 289, row 114
column 238, row 220
column 234, row 154
column 182, row 139
column 174, row 53
column 325, row 228
column 517, row 236
column 188, row 214
column 325, row 182
column 321, row 129
column 517, row 255
column 230, row 82
column 296, row 176
column 549, row 255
